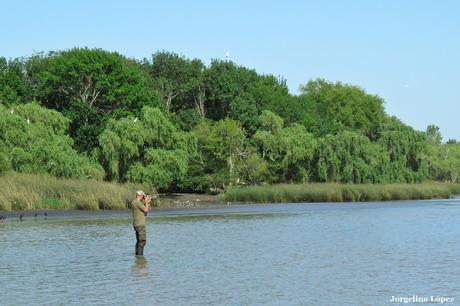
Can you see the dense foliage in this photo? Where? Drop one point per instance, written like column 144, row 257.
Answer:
column 33, row 139
column 181, row 125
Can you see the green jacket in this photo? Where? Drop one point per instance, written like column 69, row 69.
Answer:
column 138, row 213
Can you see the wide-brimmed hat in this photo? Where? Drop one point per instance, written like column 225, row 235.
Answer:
column 140, row 192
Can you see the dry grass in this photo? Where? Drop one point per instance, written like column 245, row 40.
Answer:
column 26, row 191
column 339, row 192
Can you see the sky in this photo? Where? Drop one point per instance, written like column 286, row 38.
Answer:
column 407, row 52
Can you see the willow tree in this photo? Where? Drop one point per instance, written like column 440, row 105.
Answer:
column 149, row 149
column 227, row 143
column 288, row 151
column 407, row 149
column 444, row 162
column 34, row 139
column 349, row 157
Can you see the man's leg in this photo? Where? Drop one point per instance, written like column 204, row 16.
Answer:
column 142, row 240
column 137, row 240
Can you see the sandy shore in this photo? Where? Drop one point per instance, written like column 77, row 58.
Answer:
column 170, row 204
column 186, row 204
column 188, row 200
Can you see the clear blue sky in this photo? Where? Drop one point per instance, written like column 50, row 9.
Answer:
column 407, row 52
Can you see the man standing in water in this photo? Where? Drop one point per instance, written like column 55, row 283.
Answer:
column 140, row 210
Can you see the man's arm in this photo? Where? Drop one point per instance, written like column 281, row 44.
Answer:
column 143, row 208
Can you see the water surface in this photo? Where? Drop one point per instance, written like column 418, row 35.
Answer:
column 279, row 254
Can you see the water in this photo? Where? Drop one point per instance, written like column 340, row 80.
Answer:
column 289, row 254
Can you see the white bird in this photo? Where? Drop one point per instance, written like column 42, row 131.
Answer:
column 227, row 55
column 28, row 120
column 135, row 119
column 12, row 110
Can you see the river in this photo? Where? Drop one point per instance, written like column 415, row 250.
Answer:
column 271, row 254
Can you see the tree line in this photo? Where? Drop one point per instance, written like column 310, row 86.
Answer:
column 181, row 125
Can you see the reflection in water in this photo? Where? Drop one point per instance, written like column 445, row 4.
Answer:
column 139, row 268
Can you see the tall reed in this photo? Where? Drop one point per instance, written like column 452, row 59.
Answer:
column 329, row 192
column 27, row 191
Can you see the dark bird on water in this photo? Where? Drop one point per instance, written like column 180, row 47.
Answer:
column 46, row 215
column 20, row 217
column 2, row 218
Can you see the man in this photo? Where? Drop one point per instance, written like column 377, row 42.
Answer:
column 140, row 210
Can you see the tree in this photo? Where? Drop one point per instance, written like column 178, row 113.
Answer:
column 264, row 93
column 90, row 86
column 349, row 157
column 121, row 144
column 433, row 134
column 226, row 141
column 34, row 139
column 444, row 162
column 271, row 93
column 288, row 151
column 224, row 157
column 13, row 84
column 244, row 109
column 178, row 80
column 224, row 81
column 337, row 107
column 406, row 149
column 149, row 150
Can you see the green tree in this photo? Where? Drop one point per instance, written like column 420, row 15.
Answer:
column 288, row 151
column 90, row 86
column 224, row 81
column 227, row 142
column 149, row 150
column 13, row 83
column 337, row 107
column 444, row 162
column 433, row 134
column 244, row 109
column 349, row 157
column 120, row 144
column 265, row 93
column 34, row 140
column 271, row 93
column 406, row 149
column 224, row 157
column 178, row 80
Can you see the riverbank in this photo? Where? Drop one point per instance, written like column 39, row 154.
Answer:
column 32, row 192
column 327, row 192
column 208, row 210
column 26, row 192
